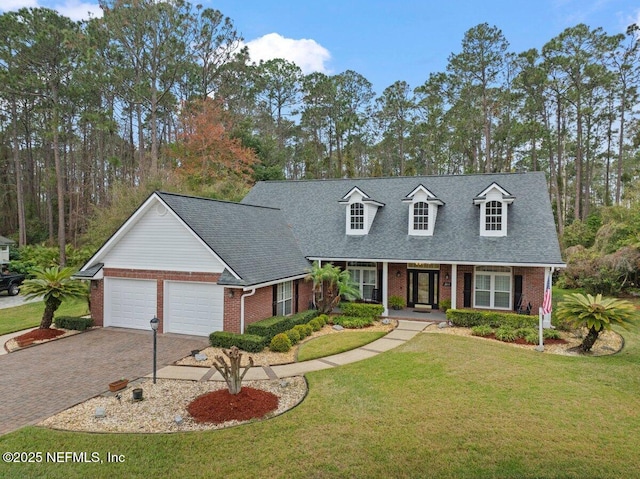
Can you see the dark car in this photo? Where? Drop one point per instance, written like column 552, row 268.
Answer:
column 10, row 282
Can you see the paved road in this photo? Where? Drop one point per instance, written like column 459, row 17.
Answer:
column 7, row 301
column 40, row 381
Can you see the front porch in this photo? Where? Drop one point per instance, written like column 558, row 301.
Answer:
column 435, row 315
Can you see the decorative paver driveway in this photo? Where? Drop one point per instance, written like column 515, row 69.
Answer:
column 40, row 381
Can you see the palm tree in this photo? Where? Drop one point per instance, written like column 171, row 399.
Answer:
column 596, row 314
column 330, row 284
column 55, row 286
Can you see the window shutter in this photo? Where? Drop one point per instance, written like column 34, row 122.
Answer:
column 295, row 296
column 468, row 282
column 274, row 311
column 517, row 296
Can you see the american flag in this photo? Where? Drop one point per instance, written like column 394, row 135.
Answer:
column 546, row 303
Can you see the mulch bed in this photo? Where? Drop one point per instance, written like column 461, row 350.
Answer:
column 221, row 406
column 41, row 334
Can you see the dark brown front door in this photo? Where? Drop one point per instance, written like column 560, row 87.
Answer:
column 423, row 288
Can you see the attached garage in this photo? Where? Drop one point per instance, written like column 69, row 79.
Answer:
column 193, row 308
column 129, row 303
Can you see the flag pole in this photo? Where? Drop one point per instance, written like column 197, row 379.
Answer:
column 540, row 346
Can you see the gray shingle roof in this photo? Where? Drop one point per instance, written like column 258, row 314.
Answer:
column 255, row 242
column 318, row 220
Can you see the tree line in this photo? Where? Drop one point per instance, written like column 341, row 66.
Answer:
column 162, row 93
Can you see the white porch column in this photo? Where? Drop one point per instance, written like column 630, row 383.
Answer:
column 385, row 287
column 454, row 286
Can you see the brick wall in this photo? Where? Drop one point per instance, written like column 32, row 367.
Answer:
column 397, row 284
column 96, row 306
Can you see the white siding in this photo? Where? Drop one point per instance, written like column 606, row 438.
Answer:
column 129, row 303
column 159, row 241
column 193, row 308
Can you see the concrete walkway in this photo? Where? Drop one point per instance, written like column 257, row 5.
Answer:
column 405, row 331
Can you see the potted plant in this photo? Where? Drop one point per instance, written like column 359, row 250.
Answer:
column 397, row 302
column 119, row 384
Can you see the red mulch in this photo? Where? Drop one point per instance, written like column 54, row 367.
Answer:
column 40, row 334
column 221, row 406
column 522, row 341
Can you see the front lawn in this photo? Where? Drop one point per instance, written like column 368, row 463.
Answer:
column 336, row 343
column 29, row 315
column 439, row 406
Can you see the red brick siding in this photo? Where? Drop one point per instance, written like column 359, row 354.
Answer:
column 305, row 294
column 532, row 285
column 97, row 302
column 445, row 290
column 397, row 285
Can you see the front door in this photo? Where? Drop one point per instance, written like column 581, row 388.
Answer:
column 423, row 288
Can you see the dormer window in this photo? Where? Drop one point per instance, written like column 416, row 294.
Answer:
column 493, row 203
column 361, row 211
column 423, row 210
column 357, row 216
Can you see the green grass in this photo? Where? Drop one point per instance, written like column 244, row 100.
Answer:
column 439, row 406
column 336, row 343
column 29, row 315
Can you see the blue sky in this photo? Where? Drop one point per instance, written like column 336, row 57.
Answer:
column 387, row 41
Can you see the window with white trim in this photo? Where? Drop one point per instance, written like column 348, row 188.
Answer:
column 284, row 299
column 421, row 216
column 493, row 216
column 492, row 287
column 357, row 216
column 365, row 276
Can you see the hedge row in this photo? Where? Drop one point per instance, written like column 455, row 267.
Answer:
column 269, row 327
column 247, row 342
column 362, row 310
column 467, row 318
column 73, row 322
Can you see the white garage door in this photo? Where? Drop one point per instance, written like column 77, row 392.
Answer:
column 129, row 303
column 193, row 308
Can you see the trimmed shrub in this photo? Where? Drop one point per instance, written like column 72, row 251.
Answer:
column 506, row 333
column 294, row 335
column 362, row 310
column 551, row 334
column 315, row 324
column 523, row 332
column 531, row 337
column 352, row 322
column 482, row 330
column 467, row 318
column 269, row 327
column 324, row 318
column 247, row 342
column 304, row 330
column 73, row 322
column 280, row 343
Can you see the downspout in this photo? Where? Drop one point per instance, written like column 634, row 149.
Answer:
column 253, row 291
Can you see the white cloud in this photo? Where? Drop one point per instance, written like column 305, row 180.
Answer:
column 308, row 54
column 74, row 9
column 77, row 10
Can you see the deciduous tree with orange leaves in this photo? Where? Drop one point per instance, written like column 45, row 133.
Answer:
column 205, row 152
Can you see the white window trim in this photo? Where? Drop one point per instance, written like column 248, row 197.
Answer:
column 494, row 193
column 350, row 216
column 361, row 283
column 422, row 195
column 492, row 288
column 284, row 293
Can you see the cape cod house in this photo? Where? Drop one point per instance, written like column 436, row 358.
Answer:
column 200, row 265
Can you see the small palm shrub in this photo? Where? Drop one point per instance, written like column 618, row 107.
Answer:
column 294, row 335
column 506, row 334
column 482, row 330
column 596, row 314
column 280, row 343
column 531, row 336
column 524, row 332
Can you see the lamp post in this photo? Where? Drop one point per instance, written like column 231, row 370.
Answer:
column 154, row 325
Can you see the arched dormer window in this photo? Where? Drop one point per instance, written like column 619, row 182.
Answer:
column 493, row 202
column 361, row 211
column 423, row 211
column 357, row 216
column 421, row 216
